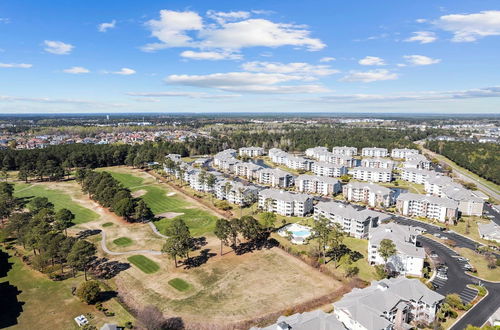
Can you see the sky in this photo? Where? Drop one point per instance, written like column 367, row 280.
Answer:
column 250, row 56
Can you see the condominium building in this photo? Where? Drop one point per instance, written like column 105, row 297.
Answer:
column 345, row 151
column 434, row 185
column 409, row 258
column 432, row 207
column 236, row 192
column 317, row 184
column 371, row 174
column 251, row 151
column 388, row 304
column 313, row 320
column 416, row 175
column 174, row 157
column 225, row 160
column 298, row 163
column 328, row 169
column 377, row 163
column 316, row 152
column 275, row 177
column 403, row 153
column 356, row 223
column 417, row 161
column 370, row 193
column 374, row 152
column 247, row 170
column 285, row 203
column 469, row 203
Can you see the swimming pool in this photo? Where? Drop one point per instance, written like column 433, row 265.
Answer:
column 301, row 233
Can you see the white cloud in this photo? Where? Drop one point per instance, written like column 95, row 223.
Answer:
column 193, row 95
column 299, row 68
column 470, row 27
column 424, row 37
column 370, row 76
column 420, row 60
column 486, row 92
column 212, row 56
column 76, row 70
column 4, row 20
column 420, row 20
column 232, row 31
column 124, row 72
column 327, row 59
column 371, row 60
column 57, row 47
column 16, row 65
column 103, row 27
column 9, row 98
column 247, row 82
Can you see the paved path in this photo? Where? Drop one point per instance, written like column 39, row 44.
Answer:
column 155, row 230
column 113, row 253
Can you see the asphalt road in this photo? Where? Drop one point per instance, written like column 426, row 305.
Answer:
column 491, row 213
column 457, row 283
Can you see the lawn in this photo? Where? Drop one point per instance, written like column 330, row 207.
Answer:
column 107, row 224
column 123, row 241
column 59, row 198
column 156, row 196
column 147, row 265
column 42, row 300
column 179, row 284
column 481, row 264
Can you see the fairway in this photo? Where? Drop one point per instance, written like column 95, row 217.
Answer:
column 58, row 198
column 198, row 220
column 148, row 266
column 123, row 241
column 107, row 224
column 179, row 284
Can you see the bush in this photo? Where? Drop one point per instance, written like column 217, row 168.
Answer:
column 454, row 301
column 223, row 205
column 380, row 271
column 108, row 313
column 129, row 325
column 352, row 271
column 89, row 292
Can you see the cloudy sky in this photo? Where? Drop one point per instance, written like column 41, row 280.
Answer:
column 250, row 56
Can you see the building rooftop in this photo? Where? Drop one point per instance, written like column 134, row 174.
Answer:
column 284, row 195
column 317, row 320
column 430, row 199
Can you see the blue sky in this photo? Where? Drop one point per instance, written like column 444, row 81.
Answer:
column 245, row 56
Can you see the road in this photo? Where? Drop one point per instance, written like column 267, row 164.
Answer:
column 457, row 282
column 491, row 213
column 463, row 175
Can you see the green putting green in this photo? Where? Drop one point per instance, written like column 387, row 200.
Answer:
column 147, row 265
column 123, row 241
column 179, row 284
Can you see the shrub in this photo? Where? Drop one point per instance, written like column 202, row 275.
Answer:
column 129, row 325
column 352, row 271
column 223, row 205
column 89, row 292
column 380, row 271
column 454, row 301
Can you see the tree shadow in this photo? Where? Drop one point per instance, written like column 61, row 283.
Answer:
column 107, row 295
column 263, row 242
column 173, row 323
column 11, row 308
column 337, row 253
column 198, row 260
column 5, row 265
column 102, row 268
column 87, row 233
column 197, row 243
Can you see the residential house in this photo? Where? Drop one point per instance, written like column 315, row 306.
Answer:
column 370, row 193
column 396, row 303
column 285, row 203
column 409, row 258
column 432, row 207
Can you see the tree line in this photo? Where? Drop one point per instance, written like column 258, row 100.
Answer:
column 481, row 158
column 108, row 192
column 36, row 225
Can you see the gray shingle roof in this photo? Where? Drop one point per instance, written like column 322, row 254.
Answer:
column 446, row 202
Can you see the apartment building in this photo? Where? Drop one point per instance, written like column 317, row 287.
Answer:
column 345, row 151
column 409, row 258
column 285, row 203
column 403, row 153
column 236, row 192
column 417, row 161
column 374, row 152
column 369, row 193
column 279, row 156
column 317, row 184
column 371, row 174
column 174, row 157
column 377, row 163
column 247, row 170
column 316, row 152
column 225, row 160
column 251, row 151
column 275, row 177
column 468, row 202
column 434, row 185
column 416, row 175
column 328, row 169
column 432, row 207
column 356, row 223
column 298, row 163
column 388, row 304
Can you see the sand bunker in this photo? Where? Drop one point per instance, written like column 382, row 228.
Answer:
column 139, row 193
column 170, row 215
column 170, row 194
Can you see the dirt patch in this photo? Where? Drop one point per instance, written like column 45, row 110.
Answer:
column 170, row 194
column 139, row 193
column 170, row 215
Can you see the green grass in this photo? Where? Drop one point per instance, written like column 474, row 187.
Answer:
column 123, row 241
column 58, row 198
column 199, row 221
column 147, row 265
column 107, row 224
column 38, row 312
column 179, row 284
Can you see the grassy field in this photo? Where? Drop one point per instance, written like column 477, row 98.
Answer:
column 147, row 265
column 123, row 241
column 481, row 264
column 163, row 201
column 179, row 284
column 58, row 198
column 42, row 300
column 107, row 224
